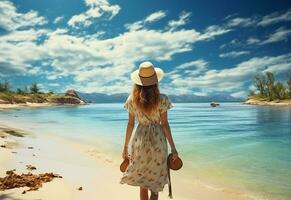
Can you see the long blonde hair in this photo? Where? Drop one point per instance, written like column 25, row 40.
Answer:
column 146, row 98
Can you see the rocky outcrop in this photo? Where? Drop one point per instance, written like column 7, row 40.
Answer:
column 66, row 100
column 72, row 93
column 70, row 97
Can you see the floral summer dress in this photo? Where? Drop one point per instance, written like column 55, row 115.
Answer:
column 149, row 150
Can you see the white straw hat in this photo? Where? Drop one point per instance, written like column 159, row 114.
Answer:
column 147, row 74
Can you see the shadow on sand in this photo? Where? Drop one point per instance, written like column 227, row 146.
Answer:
column 7, row 197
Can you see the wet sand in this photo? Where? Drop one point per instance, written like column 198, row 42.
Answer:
column 87, row 173
column 25, row 105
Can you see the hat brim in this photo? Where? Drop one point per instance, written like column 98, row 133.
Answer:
column 136, row 79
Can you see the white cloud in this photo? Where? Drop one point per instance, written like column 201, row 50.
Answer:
column 95, row 64
column 96, row 9
column 106, row 64
column 233, row 54
column 58, row 19
column 232, row 43
column 15, row 37
column 199, row 64
column 183, row 19
column 188, row 69
column 280, row 34
column 240, row 94
column 241, row 22
column 212, row 31
column 54, row 84
column 200, row 93
column 175, row 90
column 10, row 19
column 252, row 87
column 151, row 18
column 91, row 59
column 19, row 50
column 253, row 40
column 155, row 16
column 275, row 17
column 232, row 79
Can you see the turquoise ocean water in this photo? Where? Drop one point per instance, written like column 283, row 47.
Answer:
column 242, row 147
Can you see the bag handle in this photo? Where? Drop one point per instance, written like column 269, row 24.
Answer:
column 170, row 184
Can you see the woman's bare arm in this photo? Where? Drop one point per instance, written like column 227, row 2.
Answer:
column 167, row 132
column 129, row 129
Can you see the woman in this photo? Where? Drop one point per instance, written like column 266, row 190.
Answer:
column 149, row 150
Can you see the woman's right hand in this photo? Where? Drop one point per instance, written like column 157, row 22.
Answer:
column 125, row 154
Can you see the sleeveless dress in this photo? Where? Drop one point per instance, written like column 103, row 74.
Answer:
column 149, row 150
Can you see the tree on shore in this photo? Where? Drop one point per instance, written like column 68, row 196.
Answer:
column 19, row 91
column 270, row 89
column 23, row 90
column 34, row 89
column 5, row 86
column 289, row 85
column 260, row 83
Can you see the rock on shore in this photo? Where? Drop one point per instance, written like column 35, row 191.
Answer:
column 70, row 97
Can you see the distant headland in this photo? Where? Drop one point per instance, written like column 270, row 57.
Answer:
column 269, row 91
column 33, row 97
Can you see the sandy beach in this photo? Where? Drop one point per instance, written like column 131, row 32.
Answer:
column 82, row 166
column 30, row 105
column 281, row 103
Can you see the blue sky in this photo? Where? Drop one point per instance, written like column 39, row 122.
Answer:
column 204, row 47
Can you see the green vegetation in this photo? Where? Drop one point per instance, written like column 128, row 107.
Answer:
column 4, row 87
column 34, row 89
column 269, row 89
column 23, row 95
column 33, row 94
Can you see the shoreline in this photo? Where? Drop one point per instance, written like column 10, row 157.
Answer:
column 58, row 155
column 279, row 103
column 34, row 105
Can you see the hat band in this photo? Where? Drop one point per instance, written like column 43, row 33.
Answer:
column 150, row 80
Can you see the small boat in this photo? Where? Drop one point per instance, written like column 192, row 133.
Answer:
column 214, row 104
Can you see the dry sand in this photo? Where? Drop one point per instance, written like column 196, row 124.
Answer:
column 84, row 166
